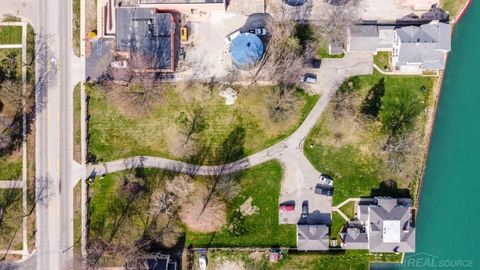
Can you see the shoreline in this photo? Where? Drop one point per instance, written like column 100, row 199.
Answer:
column 437, row 90
column 431, row 122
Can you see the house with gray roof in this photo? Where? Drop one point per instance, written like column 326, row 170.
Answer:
column 362, row 38
column 414, row 49
column 420, row 48
column 312, row 237
column 384, row 225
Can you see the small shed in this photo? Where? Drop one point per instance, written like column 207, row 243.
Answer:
column 274, row 256
column 335, row 48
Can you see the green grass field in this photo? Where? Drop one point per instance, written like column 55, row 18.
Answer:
column 345, row 260
column 349, row 147
column 77, row 150
column 10, row 163
column 76, row 27
column 262, row 183
column 453, row 6
column 382, row 60
column 10, row 34
column 323, row 53
column 116, row 133
column 11, row 204
column 11, row 166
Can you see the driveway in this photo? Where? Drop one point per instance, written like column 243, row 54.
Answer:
column 207, row 54
column 298, row 187
column 333, row 71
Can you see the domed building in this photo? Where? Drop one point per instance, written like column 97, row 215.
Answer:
column 246, row 50
column 295, row 3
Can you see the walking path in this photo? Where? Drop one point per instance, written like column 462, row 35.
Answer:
column 356, row 200
column 332, row 74
column 10, row 46
column 300, row 177
column 11, row 184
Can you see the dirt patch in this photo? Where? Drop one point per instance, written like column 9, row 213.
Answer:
column 247, row 209
column 211, row 219
column 257, row 256
column 230, row 265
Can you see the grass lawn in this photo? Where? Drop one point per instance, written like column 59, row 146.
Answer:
column 76, row 27
column 10, row 34
column 337, row 224
column 349, row 210
column 347, row 260
column 11, row 232
column 382, row 60
column 349, row 146
column 262, row 183
column 338, row 221
column 77, row 219
column 77, row 149
column 323, row 53
column 116, row 132
column 453, row 6
column 10, row 163
column 11, row 166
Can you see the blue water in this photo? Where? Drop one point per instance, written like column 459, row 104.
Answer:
column 448, row 221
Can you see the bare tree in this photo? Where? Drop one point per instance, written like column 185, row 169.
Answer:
column 192, row 122
column 142, row 78
column 280, row 103
column 339, row 16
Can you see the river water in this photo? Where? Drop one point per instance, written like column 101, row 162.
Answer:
column 448, row 221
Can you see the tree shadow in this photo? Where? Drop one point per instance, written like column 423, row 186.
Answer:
column 232, row 148
column 389, row 188
column 373, row 101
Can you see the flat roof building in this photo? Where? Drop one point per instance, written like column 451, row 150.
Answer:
column 147, row 33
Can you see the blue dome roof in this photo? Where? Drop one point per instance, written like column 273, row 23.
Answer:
column 295, row 3
column 247, row 50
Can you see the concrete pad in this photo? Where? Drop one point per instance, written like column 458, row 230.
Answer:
column 207, row 47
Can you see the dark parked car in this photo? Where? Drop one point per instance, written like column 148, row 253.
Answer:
column 313, row 63
column 304, row 210
column 310, row 78
column 323, row 190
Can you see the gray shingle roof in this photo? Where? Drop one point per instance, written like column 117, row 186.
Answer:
column 426, row 45
column 390, row 228
column 355, row 238
column 363, row 38
column 312, row 237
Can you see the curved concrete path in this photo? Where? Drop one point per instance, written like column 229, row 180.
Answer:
column 300, row 177
column 332, row 73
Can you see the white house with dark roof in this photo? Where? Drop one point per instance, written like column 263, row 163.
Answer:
column 421, row 48
column 414, row 49
column 384, row 225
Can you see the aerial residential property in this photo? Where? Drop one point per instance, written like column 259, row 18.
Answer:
column 421, row 48
column 382, row 225
column 239, row 134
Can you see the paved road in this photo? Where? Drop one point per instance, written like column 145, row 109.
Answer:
column 54, row 138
